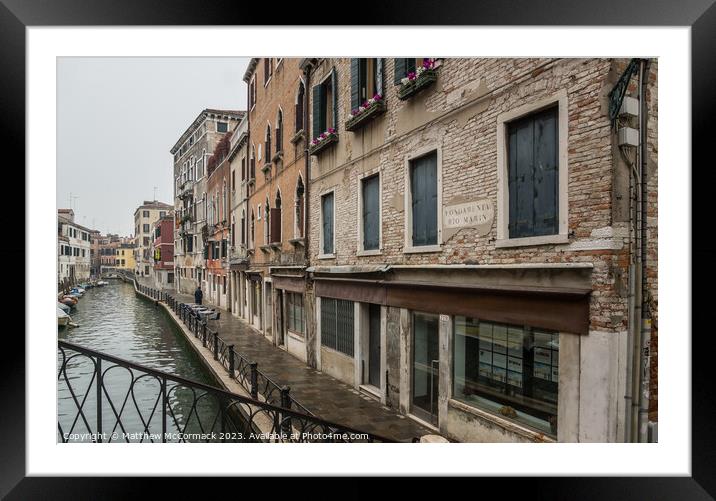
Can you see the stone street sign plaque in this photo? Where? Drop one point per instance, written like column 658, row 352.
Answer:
column 477, row 214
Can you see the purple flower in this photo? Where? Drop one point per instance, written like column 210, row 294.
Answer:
column 428, row 64
column 411, row 75
column 323, row 134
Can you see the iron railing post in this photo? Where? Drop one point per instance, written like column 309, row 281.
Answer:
column 203, row 333
column 254, row 380
column 231, row 361
column 286, row 404
column 216, row 345
column 99, row 399
column 164, row 410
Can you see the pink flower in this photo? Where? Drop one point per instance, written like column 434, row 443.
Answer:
column 411, row 75
column 377, row 97
column 428, row 64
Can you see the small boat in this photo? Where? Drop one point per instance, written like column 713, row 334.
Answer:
column 77, row 290
column 101, row 283
column 62, row 318
column 70, row 301
column 64, row 307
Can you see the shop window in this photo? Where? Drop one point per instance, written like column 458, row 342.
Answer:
column 508, row 370
column 295, row 312
column 337, row 325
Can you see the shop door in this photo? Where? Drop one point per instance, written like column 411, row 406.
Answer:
column 426, row 367
column 374, row 345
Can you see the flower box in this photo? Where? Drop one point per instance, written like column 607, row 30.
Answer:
column 323, row 141
column 416, row 81
column 365, row 114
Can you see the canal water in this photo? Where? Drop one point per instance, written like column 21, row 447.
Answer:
column 116, row 321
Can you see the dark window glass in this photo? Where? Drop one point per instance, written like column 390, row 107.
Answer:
column 371, row 213
column 424, row 195
column 510, row 370
column 337, row 325
column 222, row 126
column 533, row 175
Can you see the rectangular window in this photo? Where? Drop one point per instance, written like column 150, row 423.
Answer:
column 366, row 80
column 371, row 212
column 145, row 213
column 145, row 241
column 222, row 126
column 533, row 175
column 512, row 371
column 327, row 223
column 424, row 199
column 295, row 312
column 337, row 325
column 325, row 105
column 145, row 228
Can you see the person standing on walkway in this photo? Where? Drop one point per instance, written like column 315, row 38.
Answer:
column 198, row 295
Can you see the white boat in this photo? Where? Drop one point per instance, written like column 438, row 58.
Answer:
column 62, row 318
column 64, row 307
column 101, row 283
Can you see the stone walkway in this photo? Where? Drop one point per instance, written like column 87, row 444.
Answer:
column 323, row 395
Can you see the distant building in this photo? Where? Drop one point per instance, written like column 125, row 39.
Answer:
column 73, row 247
column 163, row 251
column 144, row 216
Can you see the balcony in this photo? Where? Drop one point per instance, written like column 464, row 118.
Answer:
column 185, row 190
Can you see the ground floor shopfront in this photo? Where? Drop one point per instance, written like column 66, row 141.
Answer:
column 478, row 353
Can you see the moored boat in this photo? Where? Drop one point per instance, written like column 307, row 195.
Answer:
column 63, row 307
column 62, row 318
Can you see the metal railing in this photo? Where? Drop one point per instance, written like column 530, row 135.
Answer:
column 238, row 367
column 172, row 408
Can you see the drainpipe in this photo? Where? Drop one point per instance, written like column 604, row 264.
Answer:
column 307, row 185
column 645, row 320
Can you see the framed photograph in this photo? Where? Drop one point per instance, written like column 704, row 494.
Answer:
column 195, row 198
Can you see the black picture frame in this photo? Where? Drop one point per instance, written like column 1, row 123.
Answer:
column 700, row 15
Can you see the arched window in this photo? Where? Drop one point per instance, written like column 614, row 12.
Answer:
column 224, row 204
column 299, row 106
column 279, row 131
column 233, row 231
column 267, row 143
column 298, row 226
column 243, row 227
column 253, row 230
column 267, row 227
column 252, row 166
column 276, row 219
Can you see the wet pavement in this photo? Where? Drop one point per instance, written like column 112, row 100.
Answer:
column 323, row 395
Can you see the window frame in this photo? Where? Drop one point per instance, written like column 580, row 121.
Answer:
column 361, row 251
column 408, row 247
column 321, row 254
column 503, row 202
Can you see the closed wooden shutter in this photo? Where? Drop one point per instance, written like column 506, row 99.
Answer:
column 355, row 83
column 378, row 76
column 275, row 219
column 299, row 108
column 399, row 70
column 327, row 215
column 318, row 111
column 371, row 215
column 424, row 191
column 334, row 90
column 533, row 175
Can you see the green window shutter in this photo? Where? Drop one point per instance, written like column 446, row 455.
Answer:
column 399, row 70
column 317, row 110
column 334, row 84
column 378, row 76
column 355, row 83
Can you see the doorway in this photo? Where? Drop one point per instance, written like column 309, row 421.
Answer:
column 426, row 367
column 279, row 318
column 374, row 355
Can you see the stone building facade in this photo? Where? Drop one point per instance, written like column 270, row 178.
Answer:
column 274, row 282
column 163, row 251
column 144, row 217
column 239, row 245
column 191, row 153
column 216, row 251
column 73, row 248
column 469, row 242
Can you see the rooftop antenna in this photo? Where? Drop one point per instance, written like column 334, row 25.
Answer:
column 155, row 194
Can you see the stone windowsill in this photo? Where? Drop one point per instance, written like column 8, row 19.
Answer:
column 275, row 246
column 561, row 238
column 422, row 249
column 326, row 256
column 371, row 252
column 298, row 241
column 297, row 136
column 278, row 156
column 265, row 248
column 266, row 167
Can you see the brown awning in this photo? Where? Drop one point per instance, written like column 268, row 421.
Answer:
column 293, row 284
column 562, row 310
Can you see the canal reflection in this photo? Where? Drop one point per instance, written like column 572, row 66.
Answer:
column 114, row 320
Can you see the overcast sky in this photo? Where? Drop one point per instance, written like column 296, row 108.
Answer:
column 117, row 119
